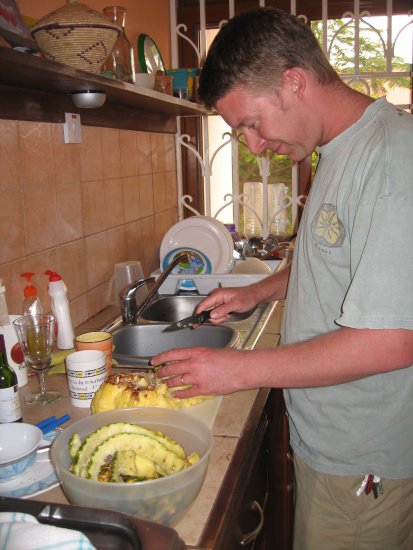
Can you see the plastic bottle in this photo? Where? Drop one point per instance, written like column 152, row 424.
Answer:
column 31, row 302
column 253, row 209
column 60, row 307
column 4, row 313
column 10, row 410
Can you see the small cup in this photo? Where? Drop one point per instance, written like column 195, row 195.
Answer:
column 86, row 371
column 96, row 340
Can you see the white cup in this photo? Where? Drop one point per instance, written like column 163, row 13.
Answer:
column 125, row 274
column 85, row 370
column 10, row 339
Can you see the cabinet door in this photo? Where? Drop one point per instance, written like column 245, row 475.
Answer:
column 279, row 512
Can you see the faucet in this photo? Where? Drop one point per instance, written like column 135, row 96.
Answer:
column 130, row 309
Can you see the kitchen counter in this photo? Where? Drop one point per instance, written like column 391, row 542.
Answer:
column 237, row 418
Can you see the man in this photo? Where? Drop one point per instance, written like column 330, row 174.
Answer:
column 346, row 359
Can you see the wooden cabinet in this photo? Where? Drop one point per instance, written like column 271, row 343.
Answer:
column 254, row 508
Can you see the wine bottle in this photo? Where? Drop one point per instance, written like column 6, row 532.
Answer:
column 10, row 410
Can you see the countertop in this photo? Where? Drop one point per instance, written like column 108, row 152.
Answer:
column 234, row 412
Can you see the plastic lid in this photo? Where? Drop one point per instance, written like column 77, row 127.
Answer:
column 29, row 289
column 53, row 276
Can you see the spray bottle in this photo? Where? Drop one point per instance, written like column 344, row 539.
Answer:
column 31, row 302
column 60, row 307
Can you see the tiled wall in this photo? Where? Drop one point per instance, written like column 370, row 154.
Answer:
column 80, row 208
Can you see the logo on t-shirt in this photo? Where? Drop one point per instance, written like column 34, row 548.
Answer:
column 327, row 228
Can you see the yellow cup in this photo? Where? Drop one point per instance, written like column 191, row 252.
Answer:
column 96, row 340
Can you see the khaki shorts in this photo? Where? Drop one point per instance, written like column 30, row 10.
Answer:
column 330, row 516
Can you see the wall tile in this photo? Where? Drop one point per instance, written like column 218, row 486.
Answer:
column 169, row 152
column 116, row 245
column 13, row 231
column 97, row 267
column 158, row 156
column 146, row 195
column 131, row 198
column 114, row 202
column 171, row 189
column 72, row 260
column 97, row 298
column 111, row 162
column 133, row 242
column 158, row 185
column 128, row 153
column 66, row 157
column 76, row 221
column 91, row 154
column 149, row 250
column 143, row 145
column 9, row 155
column 79, row 310
column 36, row 153
column 93, row 207
column 41, row 215
column 69, row 212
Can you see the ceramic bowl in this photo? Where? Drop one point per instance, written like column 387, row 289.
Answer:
column 145, row 80
column 164, row 500
column 18, row 446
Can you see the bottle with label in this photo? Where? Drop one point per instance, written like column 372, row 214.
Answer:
column 121, row 63
column 31, row 302
column 60, row 308
column 10, row 410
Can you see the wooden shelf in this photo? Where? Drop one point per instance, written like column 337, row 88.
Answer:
column 32, row 88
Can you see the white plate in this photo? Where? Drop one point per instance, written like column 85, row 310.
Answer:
column 205, row 234
column 39, row 478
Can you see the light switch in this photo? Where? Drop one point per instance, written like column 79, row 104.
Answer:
column 72, row 130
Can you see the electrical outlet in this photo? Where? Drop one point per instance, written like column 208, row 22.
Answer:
column 72, row 129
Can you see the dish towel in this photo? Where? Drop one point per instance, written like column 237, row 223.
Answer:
column 23, row 532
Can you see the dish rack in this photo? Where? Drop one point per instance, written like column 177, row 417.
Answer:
column 206, row 283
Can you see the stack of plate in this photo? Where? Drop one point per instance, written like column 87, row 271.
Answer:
column 206, row 240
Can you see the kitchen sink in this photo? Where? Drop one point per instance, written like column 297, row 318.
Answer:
column 172, row 308
column 136, row 344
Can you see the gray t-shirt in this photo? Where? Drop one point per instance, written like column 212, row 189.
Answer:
column 353, row 266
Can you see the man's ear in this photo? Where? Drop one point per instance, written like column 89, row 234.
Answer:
column 295, row 79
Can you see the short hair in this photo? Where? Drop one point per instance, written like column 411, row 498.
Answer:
column 254, row 49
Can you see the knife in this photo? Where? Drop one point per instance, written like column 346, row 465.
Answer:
column 189, row 322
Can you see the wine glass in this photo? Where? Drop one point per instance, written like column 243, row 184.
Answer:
column 36, row 335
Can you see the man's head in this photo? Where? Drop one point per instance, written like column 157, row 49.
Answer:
column 255, row 48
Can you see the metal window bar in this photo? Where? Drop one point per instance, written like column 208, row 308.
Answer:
column 236, row 200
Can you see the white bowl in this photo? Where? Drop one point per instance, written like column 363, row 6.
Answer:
column 145, row 80
column 88, row 99
column 18, row 446
column 164, row 500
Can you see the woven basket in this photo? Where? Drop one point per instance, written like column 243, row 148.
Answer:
column 76, row 35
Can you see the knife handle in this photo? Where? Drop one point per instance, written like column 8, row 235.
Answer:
column 204, row 316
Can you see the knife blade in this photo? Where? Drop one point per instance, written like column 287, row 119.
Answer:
column 190, row 321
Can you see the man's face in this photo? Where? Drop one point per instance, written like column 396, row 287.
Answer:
column 277, row 121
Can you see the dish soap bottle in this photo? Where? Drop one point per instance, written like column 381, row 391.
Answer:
column 31, row 302
column 60, row 308
column 10, row 410
column 121, row 63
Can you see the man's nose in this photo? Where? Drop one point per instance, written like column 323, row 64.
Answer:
column 255, row 144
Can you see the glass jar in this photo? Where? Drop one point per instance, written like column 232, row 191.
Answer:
column 120, row 64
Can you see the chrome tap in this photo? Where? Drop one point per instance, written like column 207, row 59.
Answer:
column 130, row 309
